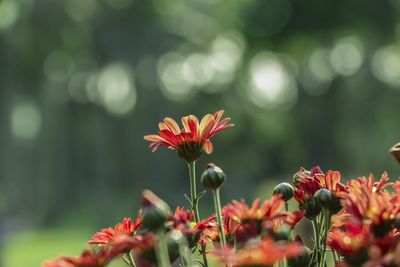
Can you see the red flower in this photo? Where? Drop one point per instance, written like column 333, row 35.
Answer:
column 190, row 141
column 183, row 220
column 89, row 258
column 107, row 235
column 240, row 212
column 350, row 239
column 368, row 201
column 265, row 252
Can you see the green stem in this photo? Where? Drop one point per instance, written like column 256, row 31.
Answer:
column 286, row 206
column 162, row 250
column 327, row 221
column 203, row 252
column 130, row 259
column 316, row 242
column 335, row 256
column 217, row 203
column 193, row 191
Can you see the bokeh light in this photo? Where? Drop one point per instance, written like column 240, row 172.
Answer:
column 26, row 119
column 116, row 89
column 270, row 83
column 386, row 65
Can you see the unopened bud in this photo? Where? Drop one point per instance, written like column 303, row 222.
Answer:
column 155, row 211
column 326, row 199
column 285, row 190
column 312, row 209
column 213, row 177
column 395, row 151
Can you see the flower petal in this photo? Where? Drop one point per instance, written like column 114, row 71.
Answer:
column 208, row 147
column 153, row 137
column 172, row 125
column 206, row 125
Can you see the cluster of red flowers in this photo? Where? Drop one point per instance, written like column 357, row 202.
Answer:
column 365, row 232
column 359, row 220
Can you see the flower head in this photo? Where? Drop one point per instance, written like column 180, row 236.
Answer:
column 183, row 220
column 242, row 213
column 310, row 182
column 263, row 252
column 89, row 258
column 106, row 236
column 195, row 136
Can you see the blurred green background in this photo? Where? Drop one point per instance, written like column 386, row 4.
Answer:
column 82, row 81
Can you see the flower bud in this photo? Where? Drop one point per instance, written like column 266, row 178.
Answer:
column 155, row 211
column 149, row 253
column 301, row 174
column 326, row 199
column 213, row 177
column 323, row 197
column 395, row 151
column 312, row 209
column 285, row 190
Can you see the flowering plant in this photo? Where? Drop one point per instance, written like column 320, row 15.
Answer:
column 355, row 223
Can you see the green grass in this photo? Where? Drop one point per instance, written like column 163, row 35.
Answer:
column 32, row 247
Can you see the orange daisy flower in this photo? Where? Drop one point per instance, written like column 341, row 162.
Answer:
column 106, row 236
column 261, row 253
column 242, row 213
column 190, row 141
column 89, row 258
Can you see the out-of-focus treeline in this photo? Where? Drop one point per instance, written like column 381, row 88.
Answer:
column 82, row 81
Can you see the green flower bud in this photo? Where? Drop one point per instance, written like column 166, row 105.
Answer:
column 312, row 209
column 213, row 177
column 395, row 151
column 149, row 254
column 285, row 190
column 326, row 199
column 323, row 197
column 155, row 211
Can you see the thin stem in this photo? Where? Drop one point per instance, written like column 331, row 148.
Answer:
column 286, row 206
column 162, row 250
column 327, row 221
column 316, row 242
column 204, row 254
column 217, row 203
column 193, row 191
column 131, row 261
column 335, row 256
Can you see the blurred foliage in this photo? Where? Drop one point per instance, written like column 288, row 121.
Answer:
column 305, row 82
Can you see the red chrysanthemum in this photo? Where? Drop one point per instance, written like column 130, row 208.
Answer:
column 240, row 212
column 190, row 141
column 367, row 200
column 183, row 220
column 263, row 252
column 349, row 239
column 106, row 236
column 89, row 258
